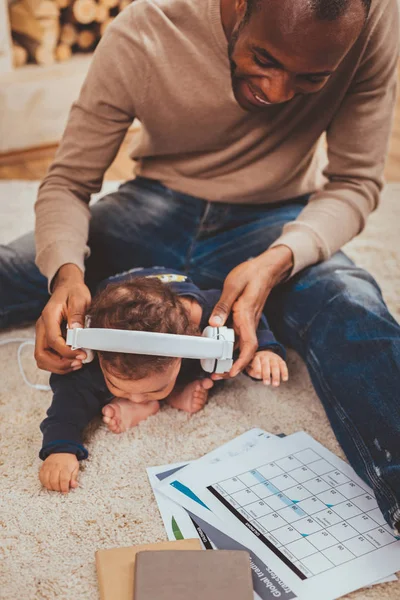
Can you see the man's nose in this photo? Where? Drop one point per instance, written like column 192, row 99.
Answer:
column 278, row 88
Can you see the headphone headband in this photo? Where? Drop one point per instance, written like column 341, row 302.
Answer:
column 216, row 343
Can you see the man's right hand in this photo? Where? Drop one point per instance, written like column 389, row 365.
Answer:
column 69, row 302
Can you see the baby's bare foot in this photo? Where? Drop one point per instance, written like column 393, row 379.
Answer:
column 193, row 397
column 122, row 414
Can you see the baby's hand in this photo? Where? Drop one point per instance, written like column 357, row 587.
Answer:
column 59, row 472
column 266, row 365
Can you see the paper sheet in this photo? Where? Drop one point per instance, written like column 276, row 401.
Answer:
column 176, row 520
column 319, row 530
column 180, row 522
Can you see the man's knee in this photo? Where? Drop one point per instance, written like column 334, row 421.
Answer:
column 23, row 289
column 337, row 289
column 337, row 274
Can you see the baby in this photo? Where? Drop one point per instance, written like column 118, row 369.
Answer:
column 127, row 388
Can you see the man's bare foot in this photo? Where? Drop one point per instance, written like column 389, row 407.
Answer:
column 122, row 414
column 193, row 397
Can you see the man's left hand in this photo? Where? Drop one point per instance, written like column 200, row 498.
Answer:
column 246, row 289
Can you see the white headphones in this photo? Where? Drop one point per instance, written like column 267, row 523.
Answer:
column 214, row 348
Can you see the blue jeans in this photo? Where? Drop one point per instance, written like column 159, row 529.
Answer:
column 332, row 313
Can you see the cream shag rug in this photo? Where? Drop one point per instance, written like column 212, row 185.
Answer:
column 47, row 541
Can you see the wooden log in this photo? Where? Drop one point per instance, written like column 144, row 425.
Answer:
column 45, row 56
column 51, row 33
column 33, row 4
column 20, row 55
column 63, row 52
column 50, row 25
column 62, row 3
column 102, row 13
column 84, row 11
column 69, row 34
column 109, row 3
column 47, row 9
column 23, row 21
column 42, row 55
column 104, row 25
column 86, row 39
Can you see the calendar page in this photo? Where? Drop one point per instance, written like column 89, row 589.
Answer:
column 305, row 511
column 177, row 523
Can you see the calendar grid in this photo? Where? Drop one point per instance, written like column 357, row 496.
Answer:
column 306, row 511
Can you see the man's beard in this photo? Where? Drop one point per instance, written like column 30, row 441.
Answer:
column 231, row 48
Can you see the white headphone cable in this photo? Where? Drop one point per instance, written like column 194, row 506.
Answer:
column 25, row 342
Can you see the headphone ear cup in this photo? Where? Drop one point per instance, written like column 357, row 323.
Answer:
column 208, row 364
column 89, row 356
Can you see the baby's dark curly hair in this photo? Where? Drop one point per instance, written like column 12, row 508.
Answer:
column 139, row 304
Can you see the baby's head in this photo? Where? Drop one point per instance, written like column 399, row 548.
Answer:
column 141, row 304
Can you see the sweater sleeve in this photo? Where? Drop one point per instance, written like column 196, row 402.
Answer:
column 108, row 103
column 77, row 398
column 358, row 140
column 267, row 340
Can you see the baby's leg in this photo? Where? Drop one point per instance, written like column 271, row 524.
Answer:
column 192, row 397
column 122, row 414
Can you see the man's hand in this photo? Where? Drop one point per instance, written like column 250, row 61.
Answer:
column 59, row 472
column 69, row 302
column 245, row 292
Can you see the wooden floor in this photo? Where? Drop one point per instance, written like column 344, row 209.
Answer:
column 33, row 164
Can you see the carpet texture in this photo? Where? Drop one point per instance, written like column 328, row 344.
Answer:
column 47, row 541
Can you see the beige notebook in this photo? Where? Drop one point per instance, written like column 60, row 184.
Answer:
column 116, row 567
column 202, row 575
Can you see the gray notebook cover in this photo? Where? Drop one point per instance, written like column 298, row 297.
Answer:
column 194, row 575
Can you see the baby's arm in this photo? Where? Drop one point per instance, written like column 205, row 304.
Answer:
column 268, row 363
column 59, row 472
column 78, row 397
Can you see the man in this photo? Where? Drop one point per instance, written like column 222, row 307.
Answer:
column 232, row 187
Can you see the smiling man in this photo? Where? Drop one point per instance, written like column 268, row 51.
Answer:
column 290, row 48
column 237, row 101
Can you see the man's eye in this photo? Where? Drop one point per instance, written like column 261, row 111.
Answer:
column 315, row 80
column 260, row 63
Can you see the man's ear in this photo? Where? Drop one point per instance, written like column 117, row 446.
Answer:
column 240, row 8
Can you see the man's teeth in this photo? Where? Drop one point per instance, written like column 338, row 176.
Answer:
column 261, row 100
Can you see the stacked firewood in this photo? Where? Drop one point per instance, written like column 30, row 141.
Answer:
column 46, row 31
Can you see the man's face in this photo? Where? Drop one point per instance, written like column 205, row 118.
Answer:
column 284, row 51
column 156, row 386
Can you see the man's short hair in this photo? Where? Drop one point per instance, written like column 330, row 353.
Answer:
column 330, row 10
column 325, row 10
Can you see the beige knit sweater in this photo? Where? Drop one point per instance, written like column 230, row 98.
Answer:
column 166, row 63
